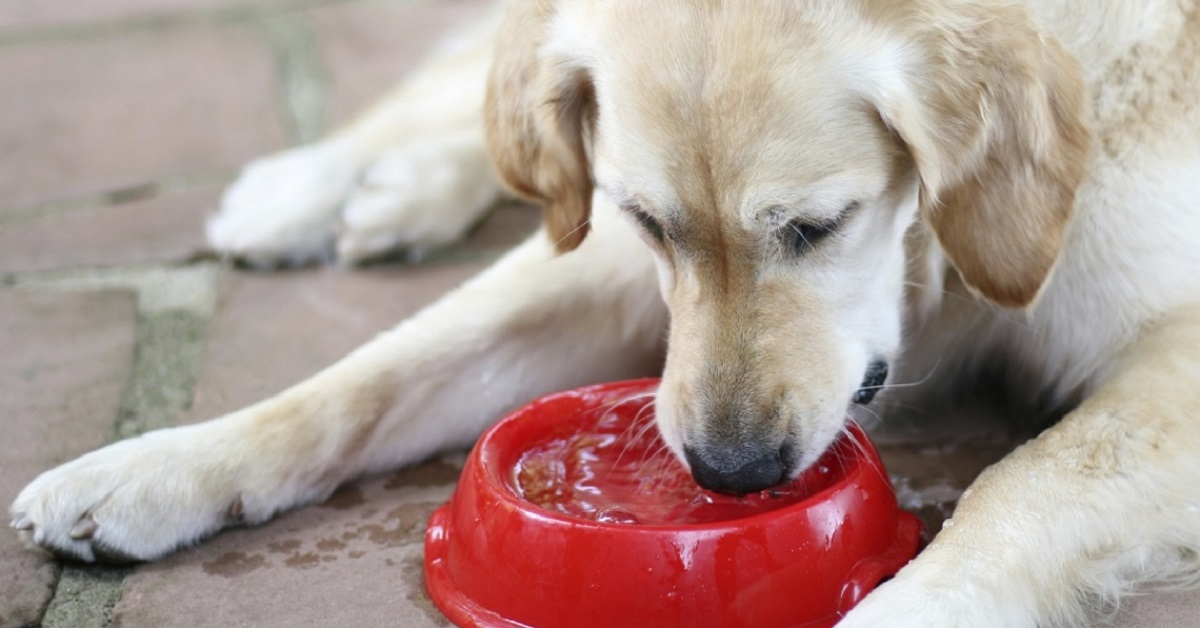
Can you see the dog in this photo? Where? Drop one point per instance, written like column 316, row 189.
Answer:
column 798, row 198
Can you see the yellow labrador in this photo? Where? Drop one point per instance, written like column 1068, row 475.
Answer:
column 824, row 191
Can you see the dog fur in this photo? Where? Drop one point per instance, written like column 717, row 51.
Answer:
column 988, row 184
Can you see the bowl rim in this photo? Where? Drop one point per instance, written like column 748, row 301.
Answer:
column 864, row 455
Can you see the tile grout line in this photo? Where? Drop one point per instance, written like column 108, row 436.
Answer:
column 118, row 196
column 303, row 79
column 55, row 33
column 174, row 308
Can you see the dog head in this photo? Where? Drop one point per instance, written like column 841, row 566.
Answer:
column 774, row 155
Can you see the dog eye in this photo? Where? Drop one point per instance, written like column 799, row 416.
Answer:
column 649, row 224
column 804, row 235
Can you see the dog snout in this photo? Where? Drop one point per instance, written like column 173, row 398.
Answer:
column 737, row 470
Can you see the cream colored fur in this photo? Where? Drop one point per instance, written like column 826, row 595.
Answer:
column 1023, row 185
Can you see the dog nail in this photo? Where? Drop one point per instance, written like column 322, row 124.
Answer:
column 234, row 514
column 22, row 522
column 84, row 529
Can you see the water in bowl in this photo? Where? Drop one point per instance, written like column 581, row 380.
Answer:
column 621, row 472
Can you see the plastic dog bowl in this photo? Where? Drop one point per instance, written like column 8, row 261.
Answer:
column 570, row 513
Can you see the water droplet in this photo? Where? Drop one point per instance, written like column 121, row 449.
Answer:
column 616, row 514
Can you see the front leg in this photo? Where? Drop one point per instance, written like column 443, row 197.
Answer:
column 1096, row 506
column 534, row 323
column 412, row 172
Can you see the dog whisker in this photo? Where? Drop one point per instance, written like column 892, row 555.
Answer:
column 639, row 423
column 928, row 375
column 581, row 225
column 856, row 442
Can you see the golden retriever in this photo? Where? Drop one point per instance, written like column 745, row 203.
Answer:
column 824, row 191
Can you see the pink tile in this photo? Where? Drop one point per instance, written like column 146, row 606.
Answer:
column 370, row 46
column 166, row 228
column 65, row 363
column 102, row 114
column 1159, row 610
column 272, row 330
column 353, row 561
column 24, row 14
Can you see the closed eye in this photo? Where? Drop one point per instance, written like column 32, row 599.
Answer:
column 801, row 235
column 648, row 223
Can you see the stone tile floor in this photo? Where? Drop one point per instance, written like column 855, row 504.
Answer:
column 121, row 122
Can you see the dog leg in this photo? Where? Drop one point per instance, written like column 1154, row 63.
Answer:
column 533, row 323
column 411, row 172
column 429, row 187
column 1100, row 503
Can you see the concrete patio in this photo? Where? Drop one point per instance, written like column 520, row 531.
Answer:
column 120, row 123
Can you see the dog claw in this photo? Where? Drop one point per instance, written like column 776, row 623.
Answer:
column 235, row 515
column 22, row 522
column 85, row 529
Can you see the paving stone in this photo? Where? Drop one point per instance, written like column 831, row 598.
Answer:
column 166, row 228
column 934, row 454
column 272, row 330
column 65, row 363
column 354, row 561
column 98, row 115
column 370, row 46
column 1160, row 610
column 930, row 479
column 23, row 14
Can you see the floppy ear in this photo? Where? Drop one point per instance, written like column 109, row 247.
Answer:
column 993, row 113
column 539, row 110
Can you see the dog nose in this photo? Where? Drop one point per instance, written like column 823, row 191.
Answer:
column 736, row 471
column 873, row 380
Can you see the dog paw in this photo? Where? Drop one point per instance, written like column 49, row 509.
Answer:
column 134, row 500
column 416, row 198
column 283, row 209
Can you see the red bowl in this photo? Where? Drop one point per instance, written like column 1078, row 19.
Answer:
column 519, row 543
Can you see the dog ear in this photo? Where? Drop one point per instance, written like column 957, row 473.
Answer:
column 539, row 113
column 993, row 113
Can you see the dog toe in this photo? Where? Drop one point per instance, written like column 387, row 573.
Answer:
column 84, row 529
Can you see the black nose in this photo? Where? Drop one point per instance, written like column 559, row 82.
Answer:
column 873, row 380
column 737, row 472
